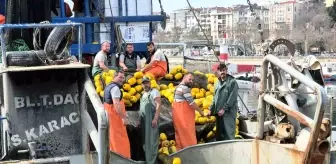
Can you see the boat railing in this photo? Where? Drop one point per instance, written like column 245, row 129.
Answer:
column 266, row 97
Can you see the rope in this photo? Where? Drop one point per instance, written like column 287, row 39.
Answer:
column 200, row 26
column 119, row 39
column 162, row 11
column 16, row 45
column 19, row 45
column 37, row 40
column 66, row 53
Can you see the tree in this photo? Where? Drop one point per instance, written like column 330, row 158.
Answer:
column 332, row 13
column 207, row 32
column 245, row 35
column 176, row 34
column 240, row 32
column 161, row 37
column 193, row 33
column 282, row 31
column 312, row 25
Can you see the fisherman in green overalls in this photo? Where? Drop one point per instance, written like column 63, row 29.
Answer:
column 150, row 106
column 224, row 105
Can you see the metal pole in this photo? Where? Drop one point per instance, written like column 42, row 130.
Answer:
column 331, row 119
column 62, row 7
column 38, row 25
column 88, row 27
column 102, row 119
column 289, row 111
column 261, row 114
column 80, row 57
column 3, row 47
column 243, row 103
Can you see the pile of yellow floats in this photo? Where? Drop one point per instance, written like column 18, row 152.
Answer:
column 132, row 91
column 168, row 147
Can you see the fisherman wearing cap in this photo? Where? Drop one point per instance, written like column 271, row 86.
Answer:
column 150, row 106
column 224, row 105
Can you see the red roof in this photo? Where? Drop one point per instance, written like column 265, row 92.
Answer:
column 287, row 2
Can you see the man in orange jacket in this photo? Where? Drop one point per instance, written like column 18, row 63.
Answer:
column 115, row 107
column 2, row 19
column 157, row 63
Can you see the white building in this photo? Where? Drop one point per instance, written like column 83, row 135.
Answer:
column 215, row 22
column 178, row 18
column 282, row 18
column 244, row 22
column 221, row 24
column 218, row 21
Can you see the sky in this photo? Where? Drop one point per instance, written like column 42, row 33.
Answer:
column 170, row 5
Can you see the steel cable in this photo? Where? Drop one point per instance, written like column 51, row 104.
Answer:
column 200, row 26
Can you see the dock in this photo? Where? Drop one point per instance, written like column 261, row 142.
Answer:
column 248, row 60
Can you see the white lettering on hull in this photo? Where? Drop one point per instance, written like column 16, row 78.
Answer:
column 46, row 100
column 49, row 127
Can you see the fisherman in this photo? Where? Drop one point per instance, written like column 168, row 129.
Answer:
column 100, row 62
column 129, row 60
column 183, row 113
column 224, row 105
column 150, row 106
column 157, row 63
column 2, row 19
column 113, row 103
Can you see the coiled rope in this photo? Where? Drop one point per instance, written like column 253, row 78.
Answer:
column 37, row 37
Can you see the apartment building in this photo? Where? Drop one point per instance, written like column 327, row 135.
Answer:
column 282, row 18
column 216, row 21
column 191, row 20
column 244, row 21
column 221, row 24
column 179, row 18
column 243, row 14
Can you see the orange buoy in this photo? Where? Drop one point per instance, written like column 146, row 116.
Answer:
column 2, row 19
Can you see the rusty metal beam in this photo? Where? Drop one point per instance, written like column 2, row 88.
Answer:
column 320, row 107
column 288, row 110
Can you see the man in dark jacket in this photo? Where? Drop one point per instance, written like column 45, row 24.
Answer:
column 129, row 60
column 224, row 105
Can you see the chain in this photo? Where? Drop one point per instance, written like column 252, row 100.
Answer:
column 202, row 30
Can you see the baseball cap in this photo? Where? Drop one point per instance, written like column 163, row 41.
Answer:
column 145, row 79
